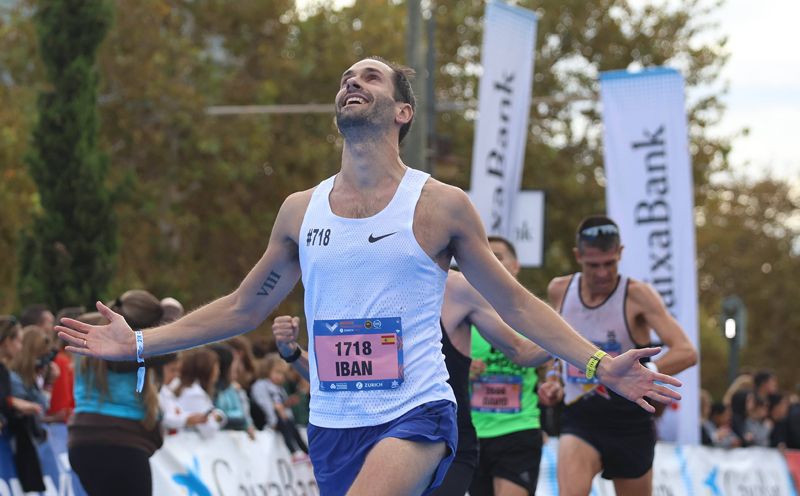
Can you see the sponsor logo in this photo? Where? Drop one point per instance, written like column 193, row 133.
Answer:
column 373, row 238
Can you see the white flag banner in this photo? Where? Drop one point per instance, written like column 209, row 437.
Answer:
column 649, row 193
column 509, row 38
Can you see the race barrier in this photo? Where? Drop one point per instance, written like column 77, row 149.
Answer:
column 684, row 470
column 232, row 464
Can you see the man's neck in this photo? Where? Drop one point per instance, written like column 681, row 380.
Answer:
column 592, row 296
column 366, row 163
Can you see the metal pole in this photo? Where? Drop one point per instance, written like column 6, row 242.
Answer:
column 733, row 360
column 431, row 90
column 413, row 148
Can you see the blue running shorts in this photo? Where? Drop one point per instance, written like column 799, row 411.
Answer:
column 338, row 454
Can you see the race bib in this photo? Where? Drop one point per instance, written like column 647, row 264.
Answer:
column 497, row 394
column 359, row 354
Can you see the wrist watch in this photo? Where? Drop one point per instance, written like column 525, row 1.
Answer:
column 294, row 356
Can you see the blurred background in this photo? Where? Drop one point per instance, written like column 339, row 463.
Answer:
column 122, row 171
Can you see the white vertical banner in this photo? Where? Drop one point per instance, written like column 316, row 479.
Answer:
column 649, row 193
column 509, row 38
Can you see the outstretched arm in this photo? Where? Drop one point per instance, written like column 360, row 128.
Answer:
column 270, row 280
column 535, row 319
column 516, row 348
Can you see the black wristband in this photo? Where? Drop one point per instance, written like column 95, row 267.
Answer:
column 294, row 356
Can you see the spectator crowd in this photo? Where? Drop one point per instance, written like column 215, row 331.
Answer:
column 241, row 384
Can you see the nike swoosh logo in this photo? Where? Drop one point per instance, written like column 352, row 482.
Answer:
column 373, row 239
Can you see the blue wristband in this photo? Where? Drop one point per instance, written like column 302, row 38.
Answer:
column 140, row 359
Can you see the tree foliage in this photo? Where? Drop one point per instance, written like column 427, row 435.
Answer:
column 196, row 194
column 68, row 254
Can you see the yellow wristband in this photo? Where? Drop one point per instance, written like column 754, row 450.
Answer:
column 591, row 365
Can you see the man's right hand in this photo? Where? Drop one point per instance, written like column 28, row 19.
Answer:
column 285, row 329
column 114, row 341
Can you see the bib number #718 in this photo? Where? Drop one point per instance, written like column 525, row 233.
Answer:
column 359, row 354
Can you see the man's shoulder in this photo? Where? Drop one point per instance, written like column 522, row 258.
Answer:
column 642, row 294
column 557, row 288
column 299, row 199
column 559, row 283
column 638, row 289
column 294, row 208
column 443, row 193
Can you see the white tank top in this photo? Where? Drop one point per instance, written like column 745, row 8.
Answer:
column 604, row 325
column 373, row 300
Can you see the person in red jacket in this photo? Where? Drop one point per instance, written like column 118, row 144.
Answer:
column 62, row 399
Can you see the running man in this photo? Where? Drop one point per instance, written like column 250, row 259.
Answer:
column 373, row 246
column 601, row 431
column 505, row 409
column 463, row 307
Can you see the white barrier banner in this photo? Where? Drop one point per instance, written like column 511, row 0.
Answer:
column 649, row 193
column 229, row 463
column 693, row 471
column 504, row 96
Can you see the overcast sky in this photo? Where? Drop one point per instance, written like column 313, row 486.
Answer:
column 764, row 77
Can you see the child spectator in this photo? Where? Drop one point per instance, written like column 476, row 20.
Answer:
column 244, row 372
column 228, row 398
column 268, row 392
column 195, row 388
column 173, row 418
column 717, row 430
column 757, row 427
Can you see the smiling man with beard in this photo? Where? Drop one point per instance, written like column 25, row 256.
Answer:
column 373, row 246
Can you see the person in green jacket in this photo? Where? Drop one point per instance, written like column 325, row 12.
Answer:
column 505, row 409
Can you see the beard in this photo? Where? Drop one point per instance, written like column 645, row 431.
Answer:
column 368, row 119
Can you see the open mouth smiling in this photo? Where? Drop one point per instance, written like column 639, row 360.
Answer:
column 354, row 100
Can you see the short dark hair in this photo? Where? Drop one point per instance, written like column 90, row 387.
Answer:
column 32, row 314
column 597, row 231
column 500, row 239
column 402, row 90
